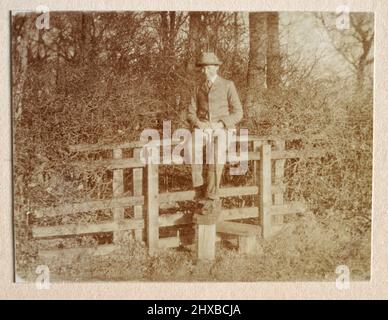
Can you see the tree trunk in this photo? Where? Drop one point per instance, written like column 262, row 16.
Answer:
column 256, row 81
column 195, row 43
column 360, row 76
column 236, row 41
column 86, row 45
column 273, row 51
column 172, row 34
column 20, row 63
column 164, row 32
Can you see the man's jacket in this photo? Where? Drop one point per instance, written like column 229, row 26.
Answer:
column 220, row 103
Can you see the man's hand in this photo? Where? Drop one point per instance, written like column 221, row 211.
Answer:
column 217, row 125
column 210, row 125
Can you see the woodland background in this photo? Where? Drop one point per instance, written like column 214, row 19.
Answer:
column 105, row 76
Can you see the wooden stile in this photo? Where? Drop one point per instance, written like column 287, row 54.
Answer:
column 110, row 164
column 265, row 189
column 206, row 241
column 138, row 191
column 73, row 229
column 118, row 190
column 279, row 177
column 246, row 234
column 237, row 228
column 206, row 236
column 181, row 218
column 290, row 154
column 269, row 206
column 152, row 207
column 172, row 197
column 256, row 165
column 288, row 208
column 88, row 206
column 239, row 213
column 170, row 242
column 237, row 191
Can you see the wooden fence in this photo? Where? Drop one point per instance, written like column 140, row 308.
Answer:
column 268, row 191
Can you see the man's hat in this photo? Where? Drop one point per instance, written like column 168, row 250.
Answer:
column 208, row 59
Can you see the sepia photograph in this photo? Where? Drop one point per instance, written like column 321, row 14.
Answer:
column 186, row 146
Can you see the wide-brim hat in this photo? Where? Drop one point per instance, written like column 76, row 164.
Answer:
column 208, row 59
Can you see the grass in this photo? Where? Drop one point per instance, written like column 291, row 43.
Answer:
column 310, row 248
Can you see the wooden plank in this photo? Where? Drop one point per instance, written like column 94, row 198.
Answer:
column 99, row 147
column 278, row 188
column 175, row 219
column 290, row 154
column 205, row 219
column 74, row 229
column 279, row 172
column 256, row 150
column 71, row 252
column 181, row 218
column 139, row 144
column 118, row 190
column 138, row 191
column 236, row 228
column 88, row 206
column 304, row 153
column 288, row 137
column 261, row 139
column 289, row 208
column 164, row 221
column 171, row 197
column 152, row 208
column 169, row 242
column 239, row 213
column 265, row 189
column 110, row 164
column 238, row 191
column 206, row 242
column 126, row 145
column 254, row 156
column 278, row 220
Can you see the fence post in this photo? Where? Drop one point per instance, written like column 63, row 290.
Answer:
column 206, row 236
column 152, row 207
column 279, row 177
column 265, row 189
column 256, row 148
column 138, row 191
column 118, row 190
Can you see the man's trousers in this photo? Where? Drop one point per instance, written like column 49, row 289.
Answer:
column 211, row 162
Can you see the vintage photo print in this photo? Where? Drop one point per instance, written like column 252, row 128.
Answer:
column 186, row 146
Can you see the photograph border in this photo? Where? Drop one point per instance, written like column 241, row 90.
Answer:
column 376, row 288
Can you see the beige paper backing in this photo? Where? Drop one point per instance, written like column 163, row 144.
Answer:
column 377, row 288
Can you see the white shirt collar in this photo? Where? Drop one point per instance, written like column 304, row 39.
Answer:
column 214, row 78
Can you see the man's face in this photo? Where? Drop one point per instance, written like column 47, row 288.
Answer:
column 210, row 71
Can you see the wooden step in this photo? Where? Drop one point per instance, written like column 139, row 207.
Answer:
column 239, row 229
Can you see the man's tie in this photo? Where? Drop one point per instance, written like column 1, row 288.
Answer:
column 208, row 85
